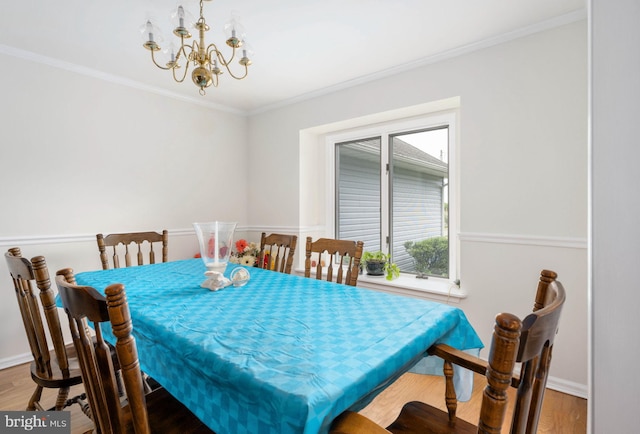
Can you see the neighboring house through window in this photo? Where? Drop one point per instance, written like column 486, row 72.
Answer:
column 392, row 191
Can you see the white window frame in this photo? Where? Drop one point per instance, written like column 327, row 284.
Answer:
column 441, row 287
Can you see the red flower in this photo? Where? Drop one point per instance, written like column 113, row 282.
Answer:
column 241, row 245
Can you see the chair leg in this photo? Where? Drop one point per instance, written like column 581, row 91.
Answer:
column 84, row 405
column 119, row 383
column 81, row 400
column 34, row 402
column 149, row 383
column 61, row 402
column 450, row 391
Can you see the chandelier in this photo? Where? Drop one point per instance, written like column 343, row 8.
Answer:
column 206, row 60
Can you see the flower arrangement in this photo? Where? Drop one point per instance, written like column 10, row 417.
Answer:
column 246, row 253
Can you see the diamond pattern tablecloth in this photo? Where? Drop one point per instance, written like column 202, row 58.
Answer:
column 283, row 354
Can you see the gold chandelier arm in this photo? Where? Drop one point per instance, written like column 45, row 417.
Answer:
column 175, row 77
column 182, row 52
column 213, row 49
column 246, row 71
column 194, row 56
column 153, row 58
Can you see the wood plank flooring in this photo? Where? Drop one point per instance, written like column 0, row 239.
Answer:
column 16, row 387
column 561, row 413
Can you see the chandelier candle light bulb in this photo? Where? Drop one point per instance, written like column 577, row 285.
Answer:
column 204, row 59
column 181, row 17
column 149, row 29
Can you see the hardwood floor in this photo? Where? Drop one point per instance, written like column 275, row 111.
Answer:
column 16, row 387
column 561, row 413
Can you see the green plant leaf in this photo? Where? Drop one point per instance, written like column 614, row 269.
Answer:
column 431, row 256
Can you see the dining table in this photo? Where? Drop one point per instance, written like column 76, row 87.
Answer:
column 280, row 354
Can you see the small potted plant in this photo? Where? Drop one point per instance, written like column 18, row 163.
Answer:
column 377, row 264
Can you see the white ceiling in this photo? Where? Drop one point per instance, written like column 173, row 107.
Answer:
column 302, row 47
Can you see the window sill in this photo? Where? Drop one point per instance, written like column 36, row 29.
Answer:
column 407, row 284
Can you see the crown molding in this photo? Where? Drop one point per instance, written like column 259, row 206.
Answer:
column 558, row 21
column 111, row 78
column 561, row 20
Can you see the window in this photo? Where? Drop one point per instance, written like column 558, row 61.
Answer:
column 392, row 192
column 358, row 198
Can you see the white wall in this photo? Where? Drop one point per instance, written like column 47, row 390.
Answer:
column 523, row 172
column 80, row 155
column 615, row 207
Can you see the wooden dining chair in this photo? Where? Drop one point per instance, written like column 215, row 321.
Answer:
column 333, row 255
column 140, row 239
column 53, row 369
column 276, row 252
column 532, row 351
column 141, row 413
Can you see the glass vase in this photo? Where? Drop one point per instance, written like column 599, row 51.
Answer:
column 216, row 240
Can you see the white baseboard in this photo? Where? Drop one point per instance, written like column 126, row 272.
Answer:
column 568, row 387
column 18, row 359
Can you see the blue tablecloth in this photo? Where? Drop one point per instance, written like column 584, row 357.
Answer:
column 283, row 354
